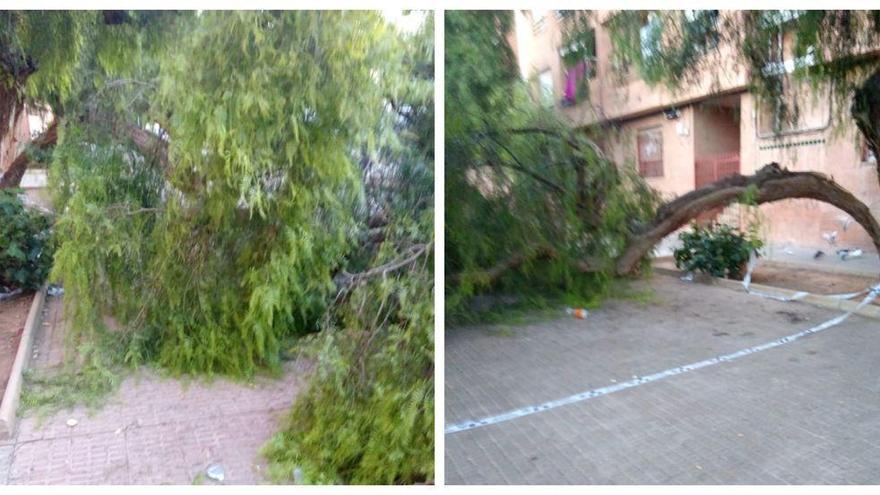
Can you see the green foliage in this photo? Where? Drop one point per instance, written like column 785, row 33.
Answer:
column 70, row 55
column 25, row 244
column 368, row 414
column 718, row 249
column 292, row 138
column 521, row 184
column 213, row 260
column 367, row 417
column 50, row 392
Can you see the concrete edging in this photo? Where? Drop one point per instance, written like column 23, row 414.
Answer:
column 870, row 311
column 9, row 402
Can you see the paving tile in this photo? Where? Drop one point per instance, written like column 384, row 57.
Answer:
column 802, row 413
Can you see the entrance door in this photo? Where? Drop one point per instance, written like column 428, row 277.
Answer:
column 710, row 168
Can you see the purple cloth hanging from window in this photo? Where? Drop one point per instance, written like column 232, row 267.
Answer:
column 573, row 77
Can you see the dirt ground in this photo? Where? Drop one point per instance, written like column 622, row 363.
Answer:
column 792, row 277
column 815, row 281
column 13, row 313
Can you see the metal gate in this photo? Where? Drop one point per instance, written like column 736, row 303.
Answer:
column 710, row 168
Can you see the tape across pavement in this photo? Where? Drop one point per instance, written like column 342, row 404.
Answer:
column 873, row 293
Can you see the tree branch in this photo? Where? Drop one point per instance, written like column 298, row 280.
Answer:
column 771, row 183
column 345, row 280
column 13, row 176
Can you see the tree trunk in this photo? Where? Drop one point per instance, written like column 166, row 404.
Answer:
column 13, row 176
column 11, row 107
column 771, row 183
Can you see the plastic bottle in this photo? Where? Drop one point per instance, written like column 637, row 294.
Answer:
column 579, row 313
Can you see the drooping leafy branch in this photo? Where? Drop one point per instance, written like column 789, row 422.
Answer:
column 215, row 174
column 524, row 191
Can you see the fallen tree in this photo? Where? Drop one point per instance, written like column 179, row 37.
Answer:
column 769, row 184
column 536, row 206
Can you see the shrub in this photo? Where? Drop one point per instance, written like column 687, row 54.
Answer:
column 25, row 247
column 719, row 250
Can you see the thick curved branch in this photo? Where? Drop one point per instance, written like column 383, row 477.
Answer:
column 771, row 183
column 148, row 143
column 13, row 176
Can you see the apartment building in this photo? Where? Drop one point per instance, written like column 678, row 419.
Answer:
column 711, row 128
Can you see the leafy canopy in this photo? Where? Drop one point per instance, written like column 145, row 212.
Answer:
column 228, row 182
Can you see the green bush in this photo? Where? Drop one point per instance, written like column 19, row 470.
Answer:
column 719, row 250
column 25, row 247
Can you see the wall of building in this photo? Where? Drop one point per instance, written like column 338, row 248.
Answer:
column 611, row 95
column 632, row 104
column 716, row 130
column 678, row 149
column 834, row 152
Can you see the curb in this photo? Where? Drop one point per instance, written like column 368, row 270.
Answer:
column 837, row 270
column 834, row 270
column 9, row 402
column 870, row 311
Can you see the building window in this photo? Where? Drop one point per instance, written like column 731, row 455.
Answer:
column 649, row 34
column 578, row 56
column 650, row 151
column 798, row 108
column 539, row 20
column 703, row 24
column 580, row 48
column 867, row 155
column 545, row 88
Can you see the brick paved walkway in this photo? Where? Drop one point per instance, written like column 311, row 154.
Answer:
column 154, row 430
column 805, row 412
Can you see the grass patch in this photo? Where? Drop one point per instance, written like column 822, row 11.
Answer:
column 624, row 290
column 503, row 312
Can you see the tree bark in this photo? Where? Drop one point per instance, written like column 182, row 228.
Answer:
column 771, row 183
column 13, row 176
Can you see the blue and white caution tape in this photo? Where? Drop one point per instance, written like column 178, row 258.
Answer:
column 873, row 293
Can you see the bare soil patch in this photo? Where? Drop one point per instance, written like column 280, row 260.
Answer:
column 788, row 276
column 13, row 313
column 813, row 281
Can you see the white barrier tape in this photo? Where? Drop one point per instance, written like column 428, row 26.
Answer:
column 873, row 293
